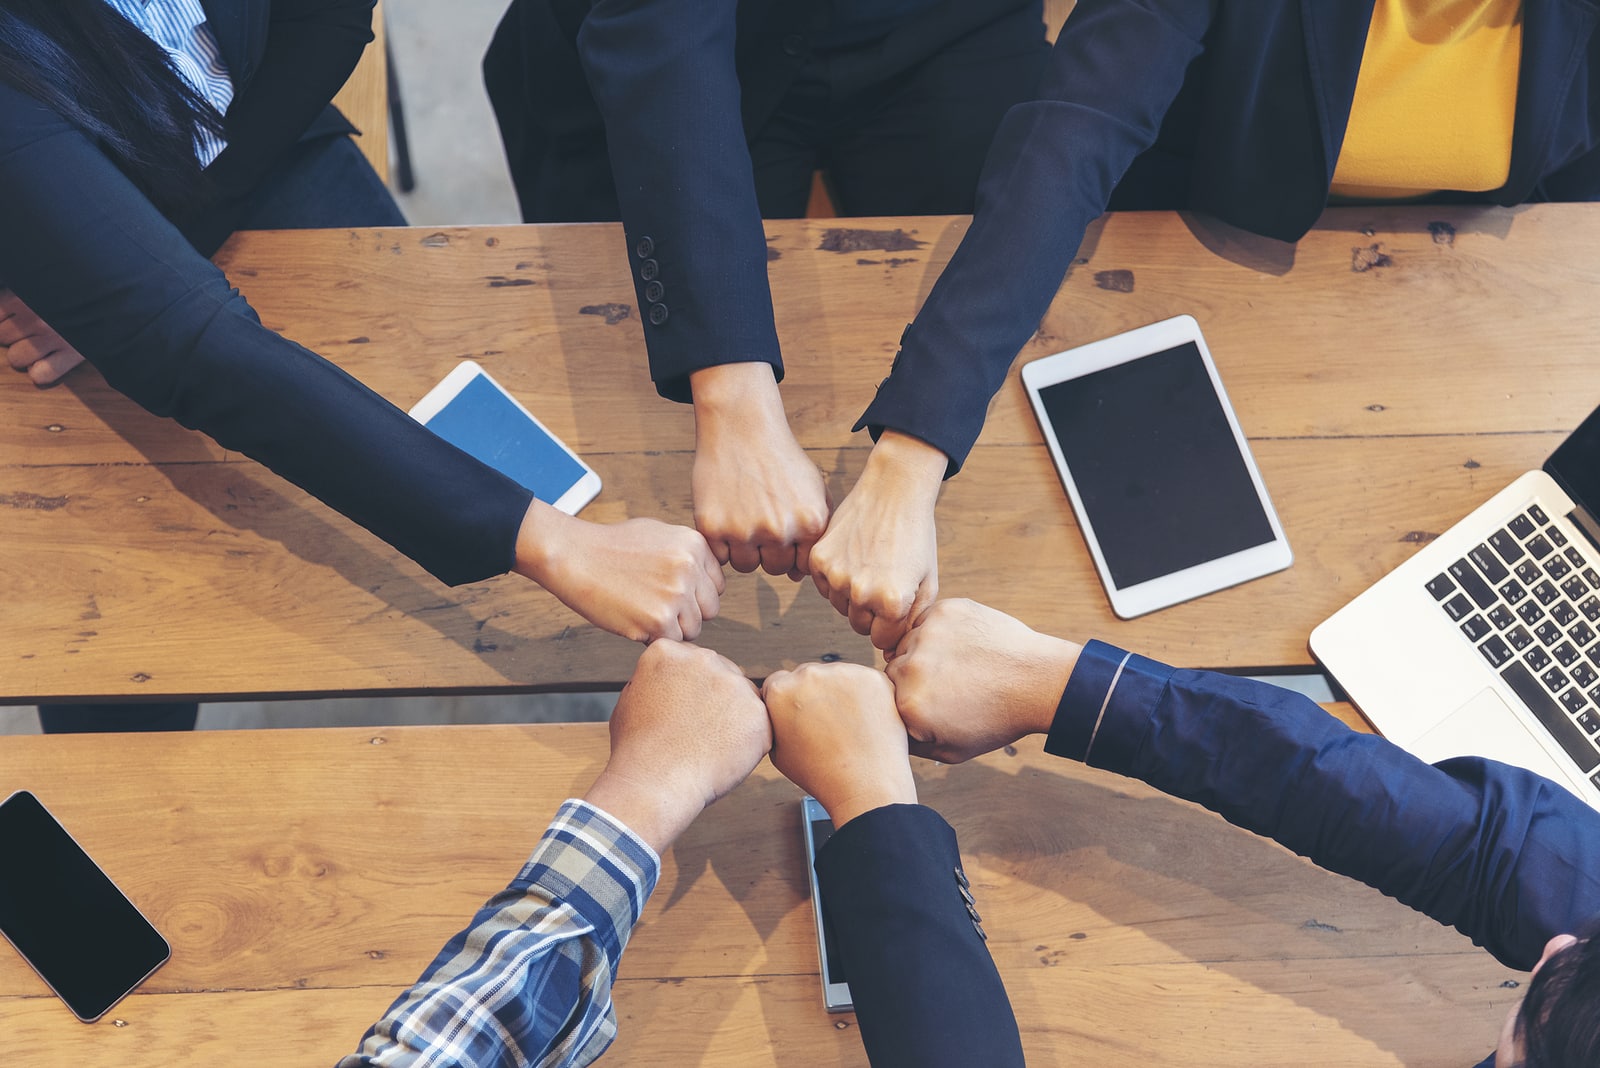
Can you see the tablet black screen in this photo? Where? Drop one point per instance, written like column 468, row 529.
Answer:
column 1156, row 465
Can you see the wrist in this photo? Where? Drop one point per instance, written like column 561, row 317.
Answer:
column 896, row 788
column 539, row 540
column 734, row 388
column 656, row 813
column 1052, row 660
column 910, row 464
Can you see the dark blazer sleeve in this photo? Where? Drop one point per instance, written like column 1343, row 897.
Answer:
column 1116, row 67
column 926, row 990
column 87, row 252
column 1501, row 854
column 282, row 86
column 666, row 82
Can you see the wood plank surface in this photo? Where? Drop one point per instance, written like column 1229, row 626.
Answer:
column 1392, row 369
column 310, row 875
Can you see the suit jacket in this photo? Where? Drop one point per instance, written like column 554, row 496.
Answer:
column 1499, row 853
column 137, row 296
column 673, row 99
column 1234, row 108
column 909, row 937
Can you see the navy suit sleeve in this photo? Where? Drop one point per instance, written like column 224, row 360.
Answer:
column 926, row 991
column 1501, row 854
column 1115, row 69
column 665, row 80
column 311, row 48
column 88, row 253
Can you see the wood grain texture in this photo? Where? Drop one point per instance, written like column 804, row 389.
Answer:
column 1382, row 403
column 310, row 875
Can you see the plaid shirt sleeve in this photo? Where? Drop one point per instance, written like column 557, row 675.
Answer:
column 529, row 981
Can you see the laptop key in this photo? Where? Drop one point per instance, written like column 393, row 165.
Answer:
column 1558, row 568
column 1592, row 577
column 1563, row 613
column 1472, row 584
column 1530, row 613
column 1582, row 633
column 1502, row 618
column 1544, row 707
column 1504, row 544
column 1574, row 557
column 1548, row 633
column 1529, row 572
column 1519, row 638
column 1477, row 627
column 1496, row 651
column 1539, row 548
column 1457, row 607
column 1565, row 654
column 1584, row 675
column 1545, row 592
column 1589, row 722
column 1537, row 514
column 1556, row 536
column 1594, row 696
column 1572, row 701
column 1488, row 563
column 1522, row 526
column 1591, row 609
column 1574, row 588
column 1536, row 658
column 1440, row 585
column 1554, row 679
column 1512, row 591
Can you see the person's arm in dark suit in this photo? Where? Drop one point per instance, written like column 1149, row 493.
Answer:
column 664, row 78
column 1116, row 67
column 925, row 989
column 1500, row 853
column 87, row 252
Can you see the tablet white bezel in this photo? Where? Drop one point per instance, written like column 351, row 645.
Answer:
column 1189, row 583
column 580, row 493
column 836, row 997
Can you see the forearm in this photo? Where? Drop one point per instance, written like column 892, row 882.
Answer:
column 538, row 959
column 669, row 92
column 925, row 988
column 1497, row 852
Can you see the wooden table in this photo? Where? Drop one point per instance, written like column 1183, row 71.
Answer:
column 305, row 878
column 1392, row 369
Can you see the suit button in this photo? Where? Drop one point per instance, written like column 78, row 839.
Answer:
column 649, row 269
column 794, row 45
column 644, row 247
column 653, row 292
column 658, row 314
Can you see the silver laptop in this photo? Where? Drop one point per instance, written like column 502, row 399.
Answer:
column 1487, row 641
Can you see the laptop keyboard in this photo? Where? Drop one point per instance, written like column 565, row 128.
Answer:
column 1530, row 603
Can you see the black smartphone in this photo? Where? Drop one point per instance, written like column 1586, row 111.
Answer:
column 835, row 987
column 66, row 917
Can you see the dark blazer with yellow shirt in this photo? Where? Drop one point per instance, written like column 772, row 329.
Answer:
column 1238, row 109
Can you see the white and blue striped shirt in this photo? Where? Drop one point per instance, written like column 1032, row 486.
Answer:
column 179, row 27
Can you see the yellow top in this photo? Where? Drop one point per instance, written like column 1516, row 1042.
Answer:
column 1435, row 100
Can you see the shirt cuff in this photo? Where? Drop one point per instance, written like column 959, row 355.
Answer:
column 592, row 862
column 1103, row 713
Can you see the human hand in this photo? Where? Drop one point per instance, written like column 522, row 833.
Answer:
column 641, row 578
column 836, row 735
column 758, row 499
column 878, row 563
column 968, row 680
column 688, row 728
column 31, row 345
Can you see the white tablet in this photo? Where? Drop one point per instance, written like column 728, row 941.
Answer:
column 474, row 413
column 1159, row 473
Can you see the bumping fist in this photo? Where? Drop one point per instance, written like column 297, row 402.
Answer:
column 969, row 679
column 836, row 736
column 688, row 728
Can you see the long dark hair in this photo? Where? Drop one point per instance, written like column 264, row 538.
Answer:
column 97, row 70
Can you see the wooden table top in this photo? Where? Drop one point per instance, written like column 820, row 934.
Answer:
column 1392, row 370
column 306, row 877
